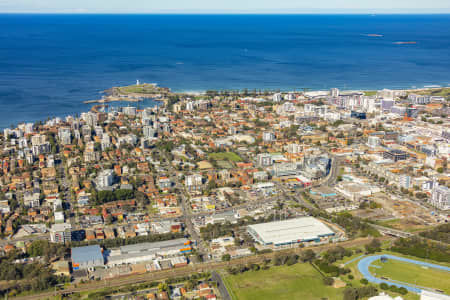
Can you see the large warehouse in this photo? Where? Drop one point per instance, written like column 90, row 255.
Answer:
column 279, row 233
column 137, row 253
column 87, row 257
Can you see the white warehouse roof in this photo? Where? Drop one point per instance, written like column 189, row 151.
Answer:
column 289, row 231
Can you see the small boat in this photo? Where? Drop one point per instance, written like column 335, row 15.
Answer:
column 405, row 43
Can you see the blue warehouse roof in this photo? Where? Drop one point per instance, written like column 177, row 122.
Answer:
column 85, row 254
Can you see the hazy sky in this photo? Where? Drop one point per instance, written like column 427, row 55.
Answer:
column 226, row 6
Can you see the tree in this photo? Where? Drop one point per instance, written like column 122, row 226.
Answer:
column 254, row 267
column 366, row 291
column 373, row 246
column 393, row 288
column 350, row 294
column 190, row 284
column 212, row 185
column 162, row 287
column 226, row 257
column 308, row 255
column 328, row 280
column 142, row 199
column 384, row 286
column 292, row 260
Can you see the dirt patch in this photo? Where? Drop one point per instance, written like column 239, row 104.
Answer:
column 338, row 283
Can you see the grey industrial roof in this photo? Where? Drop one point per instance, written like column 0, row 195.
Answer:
column 287, row 231
column 86, row 254
column 121, row 257
column 147, row 249
column 156, row 246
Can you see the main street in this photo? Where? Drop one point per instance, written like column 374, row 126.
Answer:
column 186, row 211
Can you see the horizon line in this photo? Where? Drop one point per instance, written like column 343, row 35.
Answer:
column 445, row 11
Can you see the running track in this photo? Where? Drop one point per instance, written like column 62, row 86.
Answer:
column 364, row 264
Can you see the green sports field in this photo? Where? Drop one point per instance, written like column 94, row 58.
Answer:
column 413, row 274
column 299, row 281
column 230, row 156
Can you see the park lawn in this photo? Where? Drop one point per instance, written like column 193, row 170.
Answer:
column 389, row 223
column 139, row 89
column 230, row 156
column 413, row 274
column 399, row 225
column 300, row 281
column 355, row 282
column 445, row 92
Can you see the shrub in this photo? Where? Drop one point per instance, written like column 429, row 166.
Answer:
column 351, row 277
column 393, row 288
column 364, row 281
column 384, row 286
column 366, row 291
column 254, row 267
column 328, row 280
column 226, row 257
column 350, row 294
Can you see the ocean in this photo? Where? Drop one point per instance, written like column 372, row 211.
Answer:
column 49, row 64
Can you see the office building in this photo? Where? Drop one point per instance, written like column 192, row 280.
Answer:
column 440, row 198
column 61, row 233
column 395, row 155
column 105, row 178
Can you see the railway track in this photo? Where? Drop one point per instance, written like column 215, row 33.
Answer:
column 184, row 271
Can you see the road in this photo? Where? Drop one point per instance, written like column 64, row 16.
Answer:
column 186, row 211
column 221, row 285
column 142, row 292
column 28, row 238
column 68, row 202
column 334, row 170
column 183, row 271
column 391, row 231
column 329, row 180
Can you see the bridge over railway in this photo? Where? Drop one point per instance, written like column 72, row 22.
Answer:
column 392, row 232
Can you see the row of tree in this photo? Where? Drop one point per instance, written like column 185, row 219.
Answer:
column 46, row 250
column 423, row 249
column 354, row 226
column 109, row 196
column 351, row 293
column 440, row 233
column 27, row 277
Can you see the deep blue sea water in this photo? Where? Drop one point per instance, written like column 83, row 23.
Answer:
column 49, row 64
